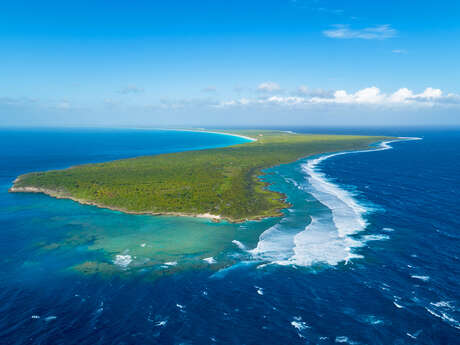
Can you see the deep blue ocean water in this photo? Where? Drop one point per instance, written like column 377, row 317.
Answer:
column 379, row 263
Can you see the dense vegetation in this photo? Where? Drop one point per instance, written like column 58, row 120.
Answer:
column 222, row 181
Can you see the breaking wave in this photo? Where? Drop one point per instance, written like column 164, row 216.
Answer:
column 326, row 239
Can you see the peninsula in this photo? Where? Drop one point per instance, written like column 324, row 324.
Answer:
column 220, row 183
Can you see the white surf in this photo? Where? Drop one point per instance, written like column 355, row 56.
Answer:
column 327, row 239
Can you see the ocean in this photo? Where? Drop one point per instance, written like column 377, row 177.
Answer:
column 368, row 253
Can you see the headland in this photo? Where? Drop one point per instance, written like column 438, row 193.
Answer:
column 219, row 184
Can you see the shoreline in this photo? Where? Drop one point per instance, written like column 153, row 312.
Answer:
column 201, row 131
column 213, row 217
column 296, row 249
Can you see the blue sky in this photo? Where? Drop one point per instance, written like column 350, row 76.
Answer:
column 220, row 62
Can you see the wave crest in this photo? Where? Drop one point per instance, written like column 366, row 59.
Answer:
column 326, row 239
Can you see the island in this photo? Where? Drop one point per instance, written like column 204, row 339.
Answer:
column 220, row 183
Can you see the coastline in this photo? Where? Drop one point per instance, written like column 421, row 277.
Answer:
column 47, row 238
column 206, row 215
column 212, row 217
column 344, row 218
column 202, row 131
column 57, row 195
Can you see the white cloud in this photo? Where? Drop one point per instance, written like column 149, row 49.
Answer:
column 236, row 102
column 379, row 32
column 405, row 95
column 268, row 86
column 367, row 96
column 289, row 100
column 430, row 93
column 401, row 96
column 399, row 51
column 373, row 95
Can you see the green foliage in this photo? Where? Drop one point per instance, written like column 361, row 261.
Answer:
column 221, row 181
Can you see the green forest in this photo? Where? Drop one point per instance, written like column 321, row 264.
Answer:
column 221, row 181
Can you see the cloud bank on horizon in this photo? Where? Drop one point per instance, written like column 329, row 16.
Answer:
column 368, row 96
column 293, row 62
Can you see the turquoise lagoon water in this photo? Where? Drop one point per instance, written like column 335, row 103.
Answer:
column 367, row 254
column 70, row 235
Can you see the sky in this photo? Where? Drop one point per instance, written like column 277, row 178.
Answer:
column 229, row 63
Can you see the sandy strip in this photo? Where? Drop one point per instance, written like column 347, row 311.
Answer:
column 199, row 131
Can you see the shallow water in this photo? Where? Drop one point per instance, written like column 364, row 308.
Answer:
column 368, row 253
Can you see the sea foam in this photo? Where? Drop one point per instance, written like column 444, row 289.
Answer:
column 239, row 244
column 326, row 239
column 122, row 260
column 210, row 260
